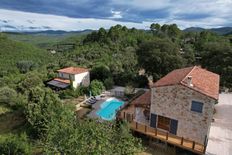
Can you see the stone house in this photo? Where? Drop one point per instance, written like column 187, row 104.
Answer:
column 181, row 103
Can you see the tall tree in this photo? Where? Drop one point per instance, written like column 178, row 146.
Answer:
column 158, row 57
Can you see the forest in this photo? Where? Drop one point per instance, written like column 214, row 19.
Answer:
column 33, row 118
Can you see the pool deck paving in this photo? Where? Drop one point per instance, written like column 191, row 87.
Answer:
column 96, row 107
column 220, row 136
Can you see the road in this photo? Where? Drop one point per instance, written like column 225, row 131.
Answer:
column 220, row 137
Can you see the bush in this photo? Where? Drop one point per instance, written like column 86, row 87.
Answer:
column 73, row 93
column 96, row 87
column 109, row 83
column 25, row 66
column 8, row 96
column 15, row 145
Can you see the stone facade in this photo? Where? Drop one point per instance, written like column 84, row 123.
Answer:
column 175, row 102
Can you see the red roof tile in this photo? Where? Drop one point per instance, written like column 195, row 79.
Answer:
column 144, row 99
column 173, row 77
column 73, row 70
column 203, row 81
column 62, row 80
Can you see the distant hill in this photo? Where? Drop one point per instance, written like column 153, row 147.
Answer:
column 220, row 31
column 54, row 32
column 45, row 39
column 12, row 52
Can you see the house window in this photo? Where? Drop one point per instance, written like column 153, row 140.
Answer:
column 197, row 106
column 61, row 75
column 164, row 123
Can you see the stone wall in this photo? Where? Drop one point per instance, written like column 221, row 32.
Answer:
column 175, row 102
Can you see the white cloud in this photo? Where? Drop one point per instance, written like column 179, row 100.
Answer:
column 208, row 13
column 20, row 20
column 116, row 14
column 218, row 13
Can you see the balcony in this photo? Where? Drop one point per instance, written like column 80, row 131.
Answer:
column 166, row 136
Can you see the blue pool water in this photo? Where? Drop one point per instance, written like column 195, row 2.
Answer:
column 108, row 108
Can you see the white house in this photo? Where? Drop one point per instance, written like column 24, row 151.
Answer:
column 71, row 75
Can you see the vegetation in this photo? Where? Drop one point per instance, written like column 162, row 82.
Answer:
column 96, row 87
column 118, row 56
column 15, row 145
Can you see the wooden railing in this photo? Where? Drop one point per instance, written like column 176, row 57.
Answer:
column 167, row 137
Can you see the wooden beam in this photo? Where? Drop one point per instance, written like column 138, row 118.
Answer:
column 166, row 135
column 145, row 128
column 204, row 150
column 193, row 145
column 182, row 140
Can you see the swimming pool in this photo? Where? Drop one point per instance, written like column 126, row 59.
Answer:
column 108, row 108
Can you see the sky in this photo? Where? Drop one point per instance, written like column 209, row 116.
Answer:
column 72, row 15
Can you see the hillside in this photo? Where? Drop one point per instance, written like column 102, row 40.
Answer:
column 12, row 52
column 220, row 31
column 45, row 39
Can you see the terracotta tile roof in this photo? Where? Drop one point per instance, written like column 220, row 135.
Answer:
column 174, row 77
column 73, row 70
column 203, row 81
column 62, row 80
column 144, row 99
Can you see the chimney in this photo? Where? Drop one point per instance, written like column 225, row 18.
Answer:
column 189, row 81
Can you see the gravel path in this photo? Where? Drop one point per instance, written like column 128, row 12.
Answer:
column 220, row 137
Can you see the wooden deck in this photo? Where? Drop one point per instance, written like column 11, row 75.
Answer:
column 167, row 137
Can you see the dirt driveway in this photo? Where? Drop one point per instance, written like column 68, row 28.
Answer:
column 220, row 137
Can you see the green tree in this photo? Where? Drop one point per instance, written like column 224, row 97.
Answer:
column 100, row 72
column 32, row 80
column 217, row 57
column 155, row 28
column 41, row 109
column 158, row 57
column 90, row 137
column 25, row 66
column 96, row 87
column 109, row 83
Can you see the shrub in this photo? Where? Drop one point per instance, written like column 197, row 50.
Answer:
column 8, row 96
column 15, row 145
column 109, row 83
column 96, row 87
column 25, row 66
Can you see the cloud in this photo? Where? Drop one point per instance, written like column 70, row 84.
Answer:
column 116, row 15
column 24, row 21
column 202, row 13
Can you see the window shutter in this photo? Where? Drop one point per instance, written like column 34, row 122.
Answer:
column 173, row 126
column 153, row 120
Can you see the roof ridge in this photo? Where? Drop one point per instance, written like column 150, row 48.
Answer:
column 194, row 67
